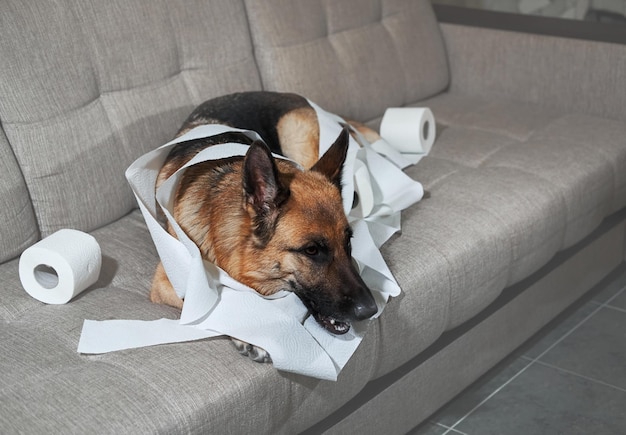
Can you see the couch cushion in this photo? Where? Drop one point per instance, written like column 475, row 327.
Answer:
column 511, row 184
column 458, row 250
column 605, row 136
column 19, row 228
column 196, row 387
column 117, row 81
column 317, row 48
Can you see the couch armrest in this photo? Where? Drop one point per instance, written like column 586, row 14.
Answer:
column 574, row 74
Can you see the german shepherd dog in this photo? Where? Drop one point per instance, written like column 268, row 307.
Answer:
column 267, row 223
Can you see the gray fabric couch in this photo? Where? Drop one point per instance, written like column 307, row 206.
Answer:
column 527, row 180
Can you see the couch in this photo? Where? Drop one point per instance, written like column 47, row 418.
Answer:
column 527, row 182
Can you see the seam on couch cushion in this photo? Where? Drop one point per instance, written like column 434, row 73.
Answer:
column 127, row 93
column 291, row 41
column 598, row 135
column 19, row 226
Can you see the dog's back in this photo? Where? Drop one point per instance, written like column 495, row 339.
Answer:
column 286, row 122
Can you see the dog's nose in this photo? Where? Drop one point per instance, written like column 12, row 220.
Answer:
column 365, row 308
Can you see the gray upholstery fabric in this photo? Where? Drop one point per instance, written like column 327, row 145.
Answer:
column 604, row 136
column 571, row 74
column 319, row 48
column 194, row 387
column 462, row 359
column 458, row 250
column 85, row 87
column 117, row 81
column 499, row 167
column 18, row 229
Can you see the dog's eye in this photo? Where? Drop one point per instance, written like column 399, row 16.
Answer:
column 315, row 250
column 311, row 250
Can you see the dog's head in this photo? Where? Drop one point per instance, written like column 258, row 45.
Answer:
column 300, row 237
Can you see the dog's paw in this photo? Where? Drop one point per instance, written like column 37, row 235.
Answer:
column 253, row 352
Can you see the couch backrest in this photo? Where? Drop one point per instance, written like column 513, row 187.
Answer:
column 353, row 57
column 86, row 86
column 18, row 228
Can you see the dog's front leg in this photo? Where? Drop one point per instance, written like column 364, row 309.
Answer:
column 162, row 291
column 253, row 352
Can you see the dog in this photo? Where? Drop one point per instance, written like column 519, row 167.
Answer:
column 268, row 223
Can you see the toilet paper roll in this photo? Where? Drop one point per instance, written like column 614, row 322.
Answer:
column 409, row 130
column 57, row 268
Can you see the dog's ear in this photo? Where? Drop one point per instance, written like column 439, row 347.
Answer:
column 331, row 163
column 263, row 189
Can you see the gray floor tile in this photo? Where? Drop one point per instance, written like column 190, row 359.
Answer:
column 597, row 349
column 569, row 319
column 479, row 391
column 544, row 400
column 557, row 329
column 578, row 386
column 619, row 301
column 616, row 286
column 430, row 428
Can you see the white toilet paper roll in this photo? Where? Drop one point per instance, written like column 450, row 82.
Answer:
column 409, row 129
column 59, row 267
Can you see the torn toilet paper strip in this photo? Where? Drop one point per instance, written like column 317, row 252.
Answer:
column 215, row 304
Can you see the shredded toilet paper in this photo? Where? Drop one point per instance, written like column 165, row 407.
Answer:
column 215, row 304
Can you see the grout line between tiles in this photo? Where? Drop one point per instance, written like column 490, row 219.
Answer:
column 570, row 372
column 579, row 324
column 496, row 391
column 614, row 308
column 534, row 360
column 454, row 431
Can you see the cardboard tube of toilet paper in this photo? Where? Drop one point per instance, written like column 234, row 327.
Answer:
column 59, row 267
column 409, row 130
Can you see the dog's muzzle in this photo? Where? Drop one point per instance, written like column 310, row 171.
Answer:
column 361, row 309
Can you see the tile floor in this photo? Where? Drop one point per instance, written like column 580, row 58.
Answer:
column 568, row 379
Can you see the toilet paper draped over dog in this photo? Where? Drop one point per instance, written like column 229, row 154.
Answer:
column 216, row 304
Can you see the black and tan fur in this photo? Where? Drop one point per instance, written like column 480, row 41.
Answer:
column 269, row 224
